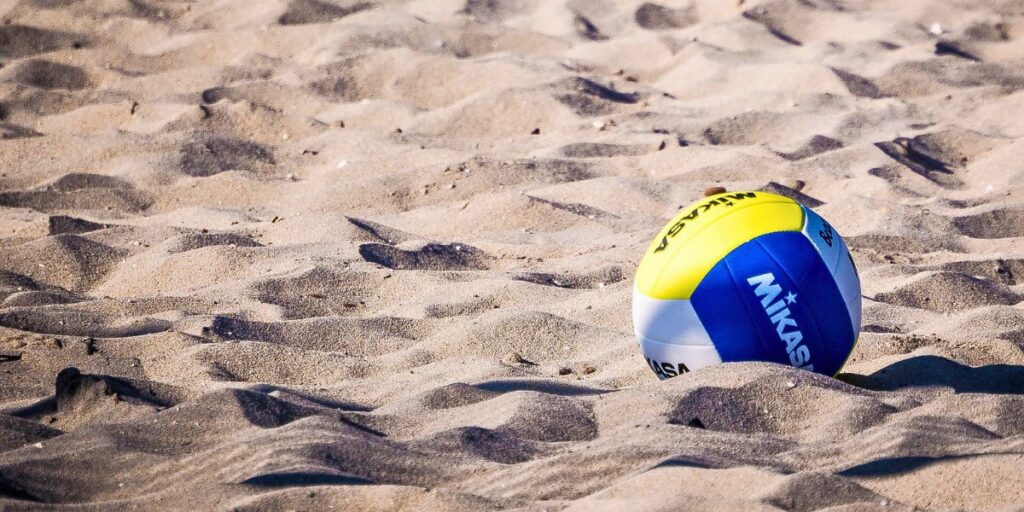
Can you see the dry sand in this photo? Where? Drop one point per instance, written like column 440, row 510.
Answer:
column 314, row 254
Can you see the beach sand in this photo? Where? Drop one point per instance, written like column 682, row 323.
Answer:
column 320, row 254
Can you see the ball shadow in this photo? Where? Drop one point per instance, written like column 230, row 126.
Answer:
column 928, row 371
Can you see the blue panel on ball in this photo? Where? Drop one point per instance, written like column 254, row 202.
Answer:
column 773, row 299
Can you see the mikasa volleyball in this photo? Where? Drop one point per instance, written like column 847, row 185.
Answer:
column 746, row 276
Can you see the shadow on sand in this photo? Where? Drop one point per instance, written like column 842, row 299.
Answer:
column 303, row 478
column 926, row 371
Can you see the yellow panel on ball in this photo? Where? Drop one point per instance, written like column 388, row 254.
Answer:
column 738, row 217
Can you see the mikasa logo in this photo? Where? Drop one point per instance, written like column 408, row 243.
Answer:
column 778, row 312
column 725, row 200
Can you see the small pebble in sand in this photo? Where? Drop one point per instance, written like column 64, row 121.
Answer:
column 600, row 125
column 796, row 185
column 936, row 29
column 790, row 384
column 587, row 369
column 517, row 358
column 710, row 191
column 565, row 370
column 341, row 163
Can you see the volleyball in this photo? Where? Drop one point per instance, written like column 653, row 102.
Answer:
column 746, row 276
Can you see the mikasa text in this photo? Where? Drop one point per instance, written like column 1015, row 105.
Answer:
column 666, row 370
column 778, row 311
column 725, row 200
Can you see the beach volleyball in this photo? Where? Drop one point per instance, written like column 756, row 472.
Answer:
column 746, row 276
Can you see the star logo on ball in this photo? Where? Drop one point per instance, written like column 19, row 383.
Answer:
column 790, row 298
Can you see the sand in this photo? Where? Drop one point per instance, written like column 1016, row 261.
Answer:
column 332, row 254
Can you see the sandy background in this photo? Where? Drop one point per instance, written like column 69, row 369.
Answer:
column 311, row 254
